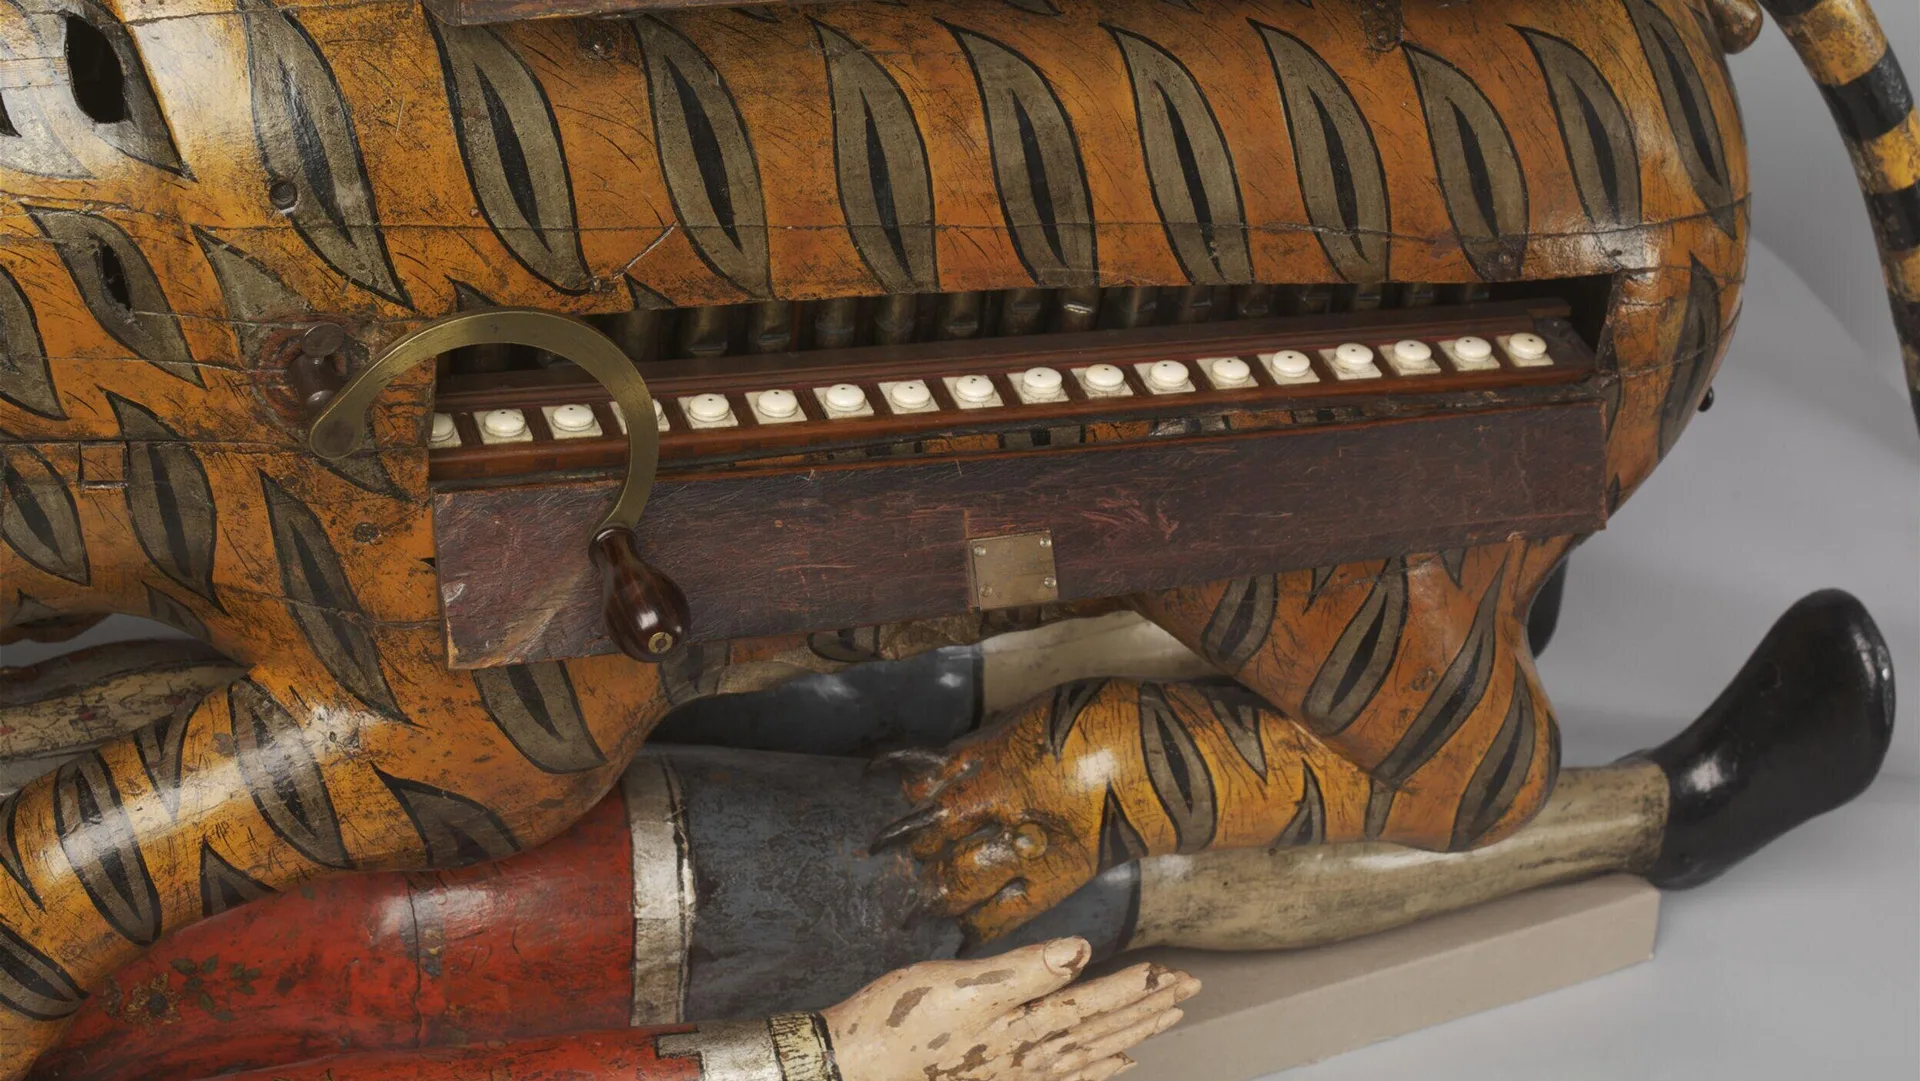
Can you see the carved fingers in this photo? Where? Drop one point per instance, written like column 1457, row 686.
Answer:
column 1012, row 1017
column 1084, row 1031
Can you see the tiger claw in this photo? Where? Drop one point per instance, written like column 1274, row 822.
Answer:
column 906, row 828
column 921, row 760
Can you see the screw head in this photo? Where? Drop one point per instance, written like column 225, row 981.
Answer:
column 283, row 194
column 1049, row 582
column 660, row 642
column 1046, row 542
column 986, row 591
column 979, row 549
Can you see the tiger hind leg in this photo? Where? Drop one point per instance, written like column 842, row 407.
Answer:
column 1391, row 701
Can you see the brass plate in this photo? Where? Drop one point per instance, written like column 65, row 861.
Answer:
column 1014, row 570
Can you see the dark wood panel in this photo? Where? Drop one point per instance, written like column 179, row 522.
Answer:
column 774, row 552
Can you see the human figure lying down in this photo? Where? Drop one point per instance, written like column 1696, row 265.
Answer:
column 739, row 884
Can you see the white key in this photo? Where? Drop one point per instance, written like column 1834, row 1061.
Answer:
column 843, row 400
column 1228, row 373
column 1103, row 381
column 1470, row 354
column 1037, row 385
column 659, row 417
column 444, row 433
column 1351, row 360
column 775, row 406
column 504, row 426
column 1410, row 357
column 909, row 396
column 972, row 391
column 1526, row 350
column 1165, row 377
column 571, row 421
column 1289, row 366
column 709, row 411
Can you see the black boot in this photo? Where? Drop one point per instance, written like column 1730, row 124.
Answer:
column 1801, row 730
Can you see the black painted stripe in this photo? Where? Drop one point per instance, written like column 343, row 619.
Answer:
column 1787, row 9
column 1872, row 104
column 1906, row 317
column 1896, row 218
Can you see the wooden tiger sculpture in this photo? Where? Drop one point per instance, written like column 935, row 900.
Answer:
column 218, row 212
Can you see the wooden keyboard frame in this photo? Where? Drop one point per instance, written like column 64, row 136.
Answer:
column 685, row 446
column 1256, row 480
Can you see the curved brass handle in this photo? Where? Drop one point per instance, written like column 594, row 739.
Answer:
column 636, row 595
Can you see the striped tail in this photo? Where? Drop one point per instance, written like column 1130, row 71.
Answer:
column 1845, row 52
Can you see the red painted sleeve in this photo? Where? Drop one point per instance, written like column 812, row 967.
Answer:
column 788, row 1047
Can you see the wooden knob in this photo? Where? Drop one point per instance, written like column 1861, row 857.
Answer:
column 646, row 613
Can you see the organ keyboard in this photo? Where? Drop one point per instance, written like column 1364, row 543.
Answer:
column 813, row 490
column 509, row 423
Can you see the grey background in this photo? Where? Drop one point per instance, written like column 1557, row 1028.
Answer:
column 1806, row 474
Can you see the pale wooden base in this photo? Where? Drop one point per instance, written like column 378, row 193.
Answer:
column 1263, row 1012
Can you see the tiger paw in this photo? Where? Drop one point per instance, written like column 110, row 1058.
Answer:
column 1009, row 822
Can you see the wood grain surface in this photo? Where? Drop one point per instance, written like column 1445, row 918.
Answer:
column 836, row 546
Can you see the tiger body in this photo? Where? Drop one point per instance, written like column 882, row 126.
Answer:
column 267, row 171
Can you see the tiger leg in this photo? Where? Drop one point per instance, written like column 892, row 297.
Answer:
column 1415, row 669
column 1386, row 701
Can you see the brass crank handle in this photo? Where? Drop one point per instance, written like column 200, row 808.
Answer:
column 645, row 612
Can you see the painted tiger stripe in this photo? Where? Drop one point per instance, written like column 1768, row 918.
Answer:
column 1872, row 104
column 1828, row 35
column 1782, row 10
column 1891, row 161
column 1906, row 318
column 1844, row 49
column 1896, row 219
column 1903, row 276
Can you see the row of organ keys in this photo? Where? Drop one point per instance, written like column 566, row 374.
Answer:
column 1409, row 358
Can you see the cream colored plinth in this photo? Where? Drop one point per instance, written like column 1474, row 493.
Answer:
column 1263, row 1012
